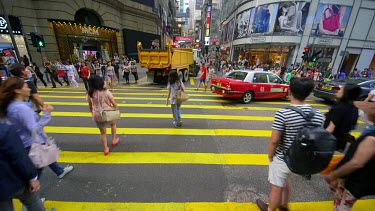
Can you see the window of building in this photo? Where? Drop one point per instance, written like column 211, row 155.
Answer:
column 88, row 17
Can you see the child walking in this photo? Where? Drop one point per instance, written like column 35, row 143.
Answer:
column 94, row 98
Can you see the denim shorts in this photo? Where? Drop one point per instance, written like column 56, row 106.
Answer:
column 202, row 80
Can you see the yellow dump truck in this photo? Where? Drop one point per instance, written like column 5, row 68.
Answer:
column 160, row 61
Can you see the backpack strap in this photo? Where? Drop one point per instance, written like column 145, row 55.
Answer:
column 307, row 117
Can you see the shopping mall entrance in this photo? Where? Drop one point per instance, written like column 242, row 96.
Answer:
column 262, row 54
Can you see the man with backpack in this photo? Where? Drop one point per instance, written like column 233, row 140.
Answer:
column 287, row 123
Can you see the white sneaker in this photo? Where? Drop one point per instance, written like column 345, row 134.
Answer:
column 66, row 170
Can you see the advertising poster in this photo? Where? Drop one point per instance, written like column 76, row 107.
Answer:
column 230, row 30
column 251, row 22
column 242, row 24
column 291, row 18
column 331, row 20
column 264, row 20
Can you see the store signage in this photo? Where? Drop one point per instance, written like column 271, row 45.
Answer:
column 324, row 41
column 90, row 31
column 208, row 20
column 176, row 31
column 185, row 38
column 257, row 39
column 369, row 45
column 14, row 22
column 3, row 23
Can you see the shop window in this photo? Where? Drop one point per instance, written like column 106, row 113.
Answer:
column 88, row 17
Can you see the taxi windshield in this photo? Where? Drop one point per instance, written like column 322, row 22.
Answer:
column 238, row 75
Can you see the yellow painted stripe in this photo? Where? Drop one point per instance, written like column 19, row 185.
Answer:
column 166, row 131
column 168, row 116
column 128, row 93
column 124, row 88
column 134, row 98
column 163, row 99
column 216, row 107
column 360, row 205
column 192, row 81
column 163, row 158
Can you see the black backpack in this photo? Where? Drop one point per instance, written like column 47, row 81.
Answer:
column 312, row 148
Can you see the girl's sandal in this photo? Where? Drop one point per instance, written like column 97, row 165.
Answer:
column 114, row 143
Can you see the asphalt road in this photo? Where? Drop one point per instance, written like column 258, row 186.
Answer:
column 142, row 169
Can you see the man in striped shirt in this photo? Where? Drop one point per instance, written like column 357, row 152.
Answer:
column 285, row 127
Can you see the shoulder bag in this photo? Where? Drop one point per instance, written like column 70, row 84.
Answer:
column 181, row 95
column 332, row 21
column 108, row 115
column 43, row 155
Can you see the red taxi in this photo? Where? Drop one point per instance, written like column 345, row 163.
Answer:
column 248, row 85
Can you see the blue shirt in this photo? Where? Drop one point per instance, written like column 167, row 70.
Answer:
column 342, row 75
column 25, row 120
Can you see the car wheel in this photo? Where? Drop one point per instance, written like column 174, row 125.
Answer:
column 247, row 97
column 186, row 75
column 287, row 98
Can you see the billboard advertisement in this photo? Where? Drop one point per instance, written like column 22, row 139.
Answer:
column 242, row 24
column 291, row 18
column 224, row 33
column 230, row 30
column 264, row 19
column 331, row 20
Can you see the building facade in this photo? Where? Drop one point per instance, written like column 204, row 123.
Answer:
column 90, row 28
column 278, row 32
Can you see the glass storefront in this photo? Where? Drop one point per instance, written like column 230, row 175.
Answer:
column 85, row 42
column 6, row 46
column 263, row 54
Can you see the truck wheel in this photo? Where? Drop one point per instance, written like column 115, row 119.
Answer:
column 247, row 97
column 180, row 75
column 186, row 75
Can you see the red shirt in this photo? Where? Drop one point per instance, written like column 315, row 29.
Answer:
column 204, row 72
column 85, row 72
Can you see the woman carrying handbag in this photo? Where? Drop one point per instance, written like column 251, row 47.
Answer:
column 174, row 86
column 13, row 91
column 101, row 100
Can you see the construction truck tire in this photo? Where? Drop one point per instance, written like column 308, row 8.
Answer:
column 185, row 73
column 180, row 74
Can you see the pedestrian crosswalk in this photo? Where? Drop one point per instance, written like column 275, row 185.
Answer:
column 159, row 167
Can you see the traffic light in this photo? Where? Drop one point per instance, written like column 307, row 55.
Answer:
column 40, row 41
column 32, row 38
column 315, row 56
column 305, row 54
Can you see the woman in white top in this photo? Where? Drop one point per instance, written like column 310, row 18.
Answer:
column 125, row 71
column 70, row 69
column 110, row 75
